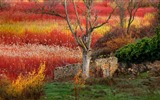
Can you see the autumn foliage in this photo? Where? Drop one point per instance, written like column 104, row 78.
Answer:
column 29, row 86
column 29, row 38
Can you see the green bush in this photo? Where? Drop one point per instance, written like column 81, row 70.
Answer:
column 146, row 49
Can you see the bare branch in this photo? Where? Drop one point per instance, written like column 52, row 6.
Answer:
column 82, row 44
column 132, row 9
column 53, row 13
column 78, row 40
column 95, row 19
column 68, row 20
column 77, row 16
column 105, row 21
column 46, row 8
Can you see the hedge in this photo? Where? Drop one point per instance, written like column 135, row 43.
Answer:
column 146, row 49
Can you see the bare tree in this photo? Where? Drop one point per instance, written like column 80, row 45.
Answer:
column 83, row 41
column 121, row 8
column 129, row 6
column 132, row 8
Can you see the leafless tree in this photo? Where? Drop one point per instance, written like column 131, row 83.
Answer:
column 121, row 8
column 132, row 8
column 91, row 23
column 127, row 6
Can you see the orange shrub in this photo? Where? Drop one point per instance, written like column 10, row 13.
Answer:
column 26, row 87
column 118, row 42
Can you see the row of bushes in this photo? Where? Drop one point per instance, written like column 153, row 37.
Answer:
column 146, row 49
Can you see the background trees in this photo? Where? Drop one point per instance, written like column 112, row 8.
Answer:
column 146, row 49
column 127, row 10
column 126, row 31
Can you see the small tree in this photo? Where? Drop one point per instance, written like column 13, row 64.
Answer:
column 127, row 6
column 84, row 40
column 132, row 8
column 121, row 4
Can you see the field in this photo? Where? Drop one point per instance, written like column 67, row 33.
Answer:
column 21, row 33
column 22, row 59
column 122, row 89
column 29, row 38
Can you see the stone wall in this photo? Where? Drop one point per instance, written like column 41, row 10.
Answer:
column 106, row 67
column 68, row 71
column 135, row 69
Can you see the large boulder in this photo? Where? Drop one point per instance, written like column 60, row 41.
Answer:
column 107, row 66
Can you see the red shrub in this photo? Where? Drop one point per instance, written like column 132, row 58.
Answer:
column 16, row 59
column 142, row 11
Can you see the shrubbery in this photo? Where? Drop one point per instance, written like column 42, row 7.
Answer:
column 115, row 39
column 28, row 87
column 146, row 49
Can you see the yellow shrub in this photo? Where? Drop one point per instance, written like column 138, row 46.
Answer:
column 29, row 86
column 102, row 30
column 79, row 82
column 136, row 23
column 19, row 28
column 147, row 18
column 114, row 44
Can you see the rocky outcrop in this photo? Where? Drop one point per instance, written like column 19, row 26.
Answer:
column 135, row 69
column 154, row 68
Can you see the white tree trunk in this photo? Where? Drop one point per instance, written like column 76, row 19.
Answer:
column 86, row 58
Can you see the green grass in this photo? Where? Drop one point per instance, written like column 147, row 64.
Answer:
column 124, row 89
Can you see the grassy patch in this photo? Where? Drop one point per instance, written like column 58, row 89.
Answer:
column 124, row 89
